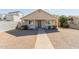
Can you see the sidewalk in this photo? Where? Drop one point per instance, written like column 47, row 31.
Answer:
column 43, row 41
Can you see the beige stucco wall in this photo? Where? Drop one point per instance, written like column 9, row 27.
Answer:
column 26, row 22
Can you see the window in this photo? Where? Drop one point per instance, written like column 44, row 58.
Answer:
column 30, row 22
column 0, row 18
column 49, row 22
column 4, row 18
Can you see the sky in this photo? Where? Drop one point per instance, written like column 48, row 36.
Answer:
column 52, row 11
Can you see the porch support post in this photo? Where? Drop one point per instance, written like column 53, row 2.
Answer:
column 34, row 23
column 57, row 23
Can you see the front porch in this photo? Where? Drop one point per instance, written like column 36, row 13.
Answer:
column 44, row 24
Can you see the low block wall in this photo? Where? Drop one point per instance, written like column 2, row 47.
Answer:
column 7, row 25
column 74, row 26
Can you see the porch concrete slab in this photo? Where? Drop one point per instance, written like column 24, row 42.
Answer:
column 43, row 42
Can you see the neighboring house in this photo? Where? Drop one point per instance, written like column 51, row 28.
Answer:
column 74, row 22
column 11, row 16
column 39, row 19
column 2, row 17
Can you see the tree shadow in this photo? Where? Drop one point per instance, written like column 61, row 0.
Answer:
column 18, row 33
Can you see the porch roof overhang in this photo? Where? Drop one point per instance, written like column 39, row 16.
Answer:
column 39, row 15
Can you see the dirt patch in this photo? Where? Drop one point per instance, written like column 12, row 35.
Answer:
column 8, row 40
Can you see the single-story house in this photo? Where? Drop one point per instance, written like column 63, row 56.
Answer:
column 39, row 19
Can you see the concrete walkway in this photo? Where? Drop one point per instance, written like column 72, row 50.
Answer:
column 43, row 41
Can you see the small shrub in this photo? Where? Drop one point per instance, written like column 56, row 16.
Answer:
column 24, row 27
column 54, row 27
column 65, row 25
column 49, row 27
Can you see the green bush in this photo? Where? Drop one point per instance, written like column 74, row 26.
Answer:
column 54, row 27
column 63, row 21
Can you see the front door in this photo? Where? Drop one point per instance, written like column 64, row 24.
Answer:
column 39, row 23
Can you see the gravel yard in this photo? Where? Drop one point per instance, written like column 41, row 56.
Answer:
column 65, row 39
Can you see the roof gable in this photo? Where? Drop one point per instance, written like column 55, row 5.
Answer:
column 39, row 14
